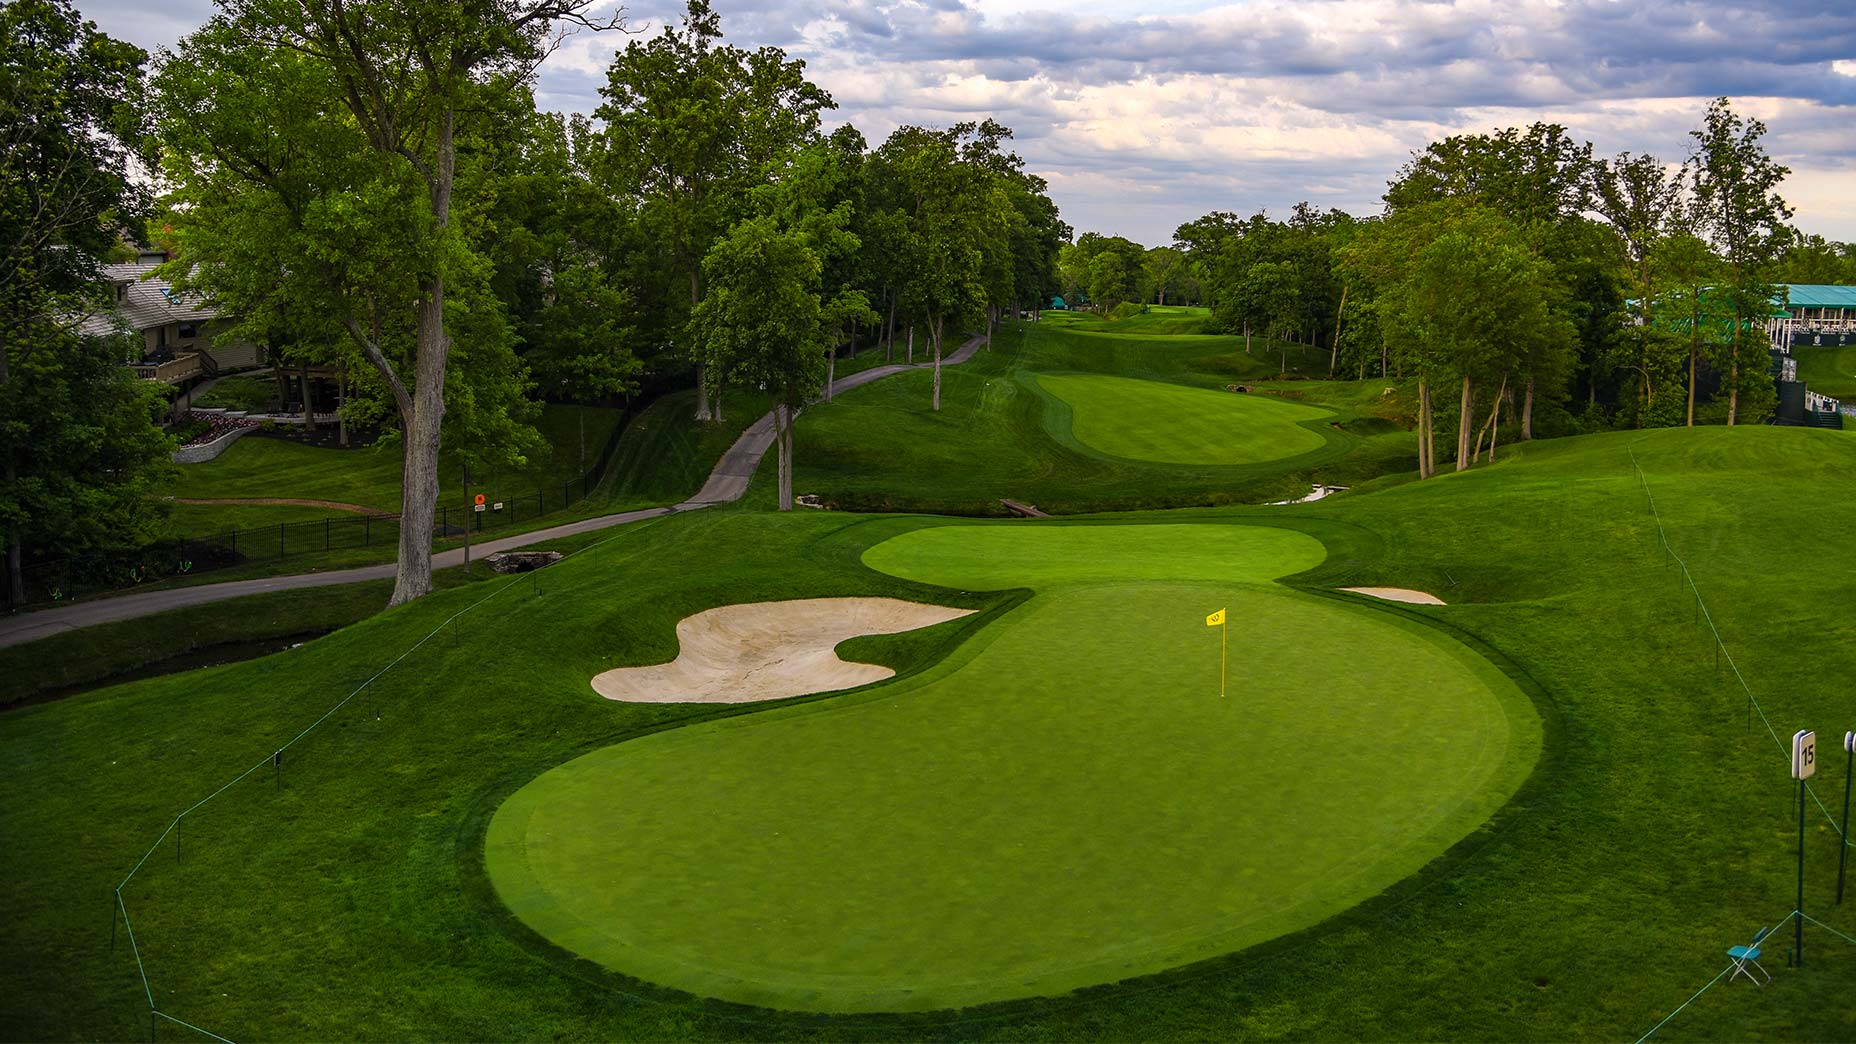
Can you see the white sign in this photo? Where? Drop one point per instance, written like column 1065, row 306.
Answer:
column 499, row 505
column 479, row 507
column 1804, row 754
column 1849, row 742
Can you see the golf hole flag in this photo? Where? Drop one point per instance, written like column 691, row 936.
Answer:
column 1217, row 620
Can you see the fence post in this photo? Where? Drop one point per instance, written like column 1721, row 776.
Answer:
column 281, row 552
column 367, row 531
column 325, row 532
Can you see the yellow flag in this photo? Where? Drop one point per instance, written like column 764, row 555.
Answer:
column 1215, row 619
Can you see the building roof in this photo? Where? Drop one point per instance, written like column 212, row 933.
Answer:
column 145, row 303
column 1819, row 295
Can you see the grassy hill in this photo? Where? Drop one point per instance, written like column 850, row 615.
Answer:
column 1828, row 371
column 346, row 897
column 1002, row 434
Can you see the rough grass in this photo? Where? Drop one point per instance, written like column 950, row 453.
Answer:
column 349, row 901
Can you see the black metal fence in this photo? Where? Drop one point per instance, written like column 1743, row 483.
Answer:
column 65, row 579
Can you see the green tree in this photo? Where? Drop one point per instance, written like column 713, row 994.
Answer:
column 692, row 126
column 762, row 322
column 1737, row 205
column 391, row 89
column 1165, row 269
column 1642, row 199
column 77, row 442
column 1539, row 180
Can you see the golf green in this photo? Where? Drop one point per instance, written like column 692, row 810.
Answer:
column 1067, row 800
column 1171, row 424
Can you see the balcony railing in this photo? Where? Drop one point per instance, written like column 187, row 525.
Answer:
column 173, row 371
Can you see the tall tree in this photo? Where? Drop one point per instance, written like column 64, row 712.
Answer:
column 76, row 440
column 1738, row 206
column 762, row 322
column 1641, row 197
column 363, row 194
column 692, row 125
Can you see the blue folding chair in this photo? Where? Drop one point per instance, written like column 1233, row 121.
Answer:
column 1746, row 960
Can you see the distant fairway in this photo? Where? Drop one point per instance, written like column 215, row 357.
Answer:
column 1828, row 371
column 1171, row 424
column 1064, row 801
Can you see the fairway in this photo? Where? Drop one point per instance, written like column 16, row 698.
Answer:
column 1064, row 801
column 1170, row 424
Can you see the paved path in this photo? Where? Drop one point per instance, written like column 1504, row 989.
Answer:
column 728, row 482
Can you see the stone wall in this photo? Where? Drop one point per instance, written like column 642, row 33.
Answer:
column 208, row 450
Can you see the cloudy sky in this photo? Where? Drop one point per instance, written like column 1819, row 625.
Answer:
column 1143, row 114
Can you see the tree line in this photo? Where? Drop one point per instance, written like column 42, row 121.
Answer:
column 369, row 185
column 1514, row 274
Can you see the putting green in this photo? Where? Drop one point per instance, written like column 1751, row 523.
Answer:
column 1170, row 424
column 1065, row 801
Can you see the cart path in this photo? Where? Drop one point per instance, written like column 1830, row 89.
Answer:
column 332, row 505
column 726, row 483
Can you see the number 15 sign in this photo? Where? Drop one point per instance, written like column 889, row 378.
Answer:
column 1804, row 754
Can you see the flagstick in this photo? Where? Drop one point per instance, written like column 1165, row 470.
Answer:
column 1222, row 624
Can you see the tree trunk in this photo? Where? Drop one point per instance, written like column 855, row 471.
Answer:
column 1734, row 389
column 703, row 412
column 783, row 439
column 831, row 368
column 423, row 406
column 1694, row 349
column 1246, row 338
column 911, row 344
column 309, row 408
column 934, row 334
column 1495, row 419
column 15, row 572
column 1426, row 467
column 889, row 336
column 341, row 396
column 1465, row 419
column 1334, row 342
column 1384, row 351
column 1527, row 412
column 1488, row 427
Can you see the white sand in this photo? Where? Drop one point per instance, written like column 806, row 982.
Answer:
column 769, row 651
column 1398, row 594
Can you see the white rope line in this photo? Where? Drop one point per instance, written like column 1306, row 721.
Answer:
column 1720, row 644
column 174, row 824
column 1768, row 933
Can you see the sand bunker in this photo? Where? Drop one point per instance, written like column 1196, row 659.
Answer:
column 769, row 651
column 1398, row 594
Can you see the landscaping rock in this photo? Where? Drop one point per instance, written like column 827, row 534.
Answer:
column 522, row 561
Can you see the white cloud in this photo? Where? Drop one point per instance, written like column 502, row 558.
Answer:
column 1146, row 115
